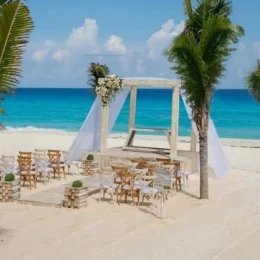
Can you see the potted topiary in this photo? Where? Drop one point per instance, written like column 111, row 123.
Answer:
column 10, row 188
column 9, row 177
column 75, row 195
column 90, row 165
column 77, row 184
column 90, row 157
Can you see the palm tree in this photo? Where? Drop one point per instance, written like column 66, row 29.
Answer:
column 15, row 28
column 95, row 72
column 253, row 82
column 199, row 54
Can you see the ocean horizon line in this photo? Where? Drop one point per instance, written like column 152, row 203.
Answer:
column 141, row 87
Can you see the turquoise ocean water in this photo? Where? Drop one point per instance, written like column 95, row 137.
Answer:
column 234, row 112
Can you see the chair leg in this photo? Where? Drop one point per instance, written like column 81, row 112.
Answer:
column 187, row 180
column 100, row 193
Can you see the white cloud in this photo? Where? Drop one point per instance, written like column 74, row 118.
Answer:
column 40, row 55
column 84, row 38
column 161, row 39
column 140, row 66
column 50, row 43
column 115, row 45
column 61, row 55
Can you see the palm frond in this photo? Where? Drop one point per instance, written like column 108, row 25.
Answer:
column 2, row 2
column 200, row 52
column 253, row 82
column 95, row 72
column 15, row 28
column 188, row 8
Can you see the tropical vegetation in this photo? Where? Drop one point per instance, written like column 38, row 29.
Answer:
column 15, row 27
column 253, row 82
column 198, row 55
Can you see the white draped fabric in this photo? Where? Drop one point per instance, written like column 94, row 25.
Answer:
column 217, row 157
column 88, row 138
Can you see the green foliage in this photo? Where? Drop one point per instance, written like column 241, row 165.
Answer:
column 95, row 72
column 9, row 177
column 253, row 82
column 90, row 157
column 199, row 53
column 15, row 28
column 77, row 184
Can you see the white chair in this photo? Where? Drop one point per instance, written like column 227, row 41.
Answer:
column 145, row 191
column 107, row 186
column 41, row 167
column 164, row 178
column 8, row 165
column 69, row 162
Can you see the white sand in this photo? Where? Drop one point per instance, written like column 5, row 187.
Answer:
column 225, row 227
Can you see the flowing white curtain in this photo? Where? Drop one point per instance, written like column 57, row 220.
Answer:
column 88, row 138
column 217, row 157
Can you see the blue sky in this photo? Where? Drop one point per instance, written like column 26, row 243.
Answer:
column 129, row 36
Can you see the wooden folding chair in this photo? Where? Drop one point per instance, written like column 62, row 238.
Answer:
column 26, row 172
column 128, row 186
column 118, row 170
column 55, row 163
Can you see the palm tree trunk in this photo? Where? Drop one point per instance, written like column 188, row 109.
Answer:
column 204, row 187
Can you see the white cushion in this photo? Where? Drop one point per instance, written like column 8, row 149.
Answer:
column 149, row 190
column 117, row 179
column 107, row 185
column 173, row 179
column 57, row 165
column 128, row 187
column 26, row 173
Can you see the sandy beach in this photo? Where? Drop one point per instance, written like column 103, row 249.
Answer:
column 225, row 227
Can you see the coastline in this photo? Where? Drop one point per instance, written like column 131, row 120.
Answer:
column 233, row 142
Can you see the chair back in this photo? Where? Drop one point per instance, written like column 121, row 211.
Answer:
column 40, row 162
column 39, row 152
column 25, row 154
column 163, row 178
column 7, row 164
column 24, row 164
column 127, row 179
column 163, row 160
column 54, row 157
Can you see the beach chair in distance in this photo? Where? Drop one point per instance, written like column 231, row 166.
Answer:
column 26, row 172
column 56, row 164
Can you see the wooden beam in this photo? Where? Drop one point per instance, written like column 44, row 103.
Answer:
column 175, row 122
column 150, row 82
column 104, row 130
column 132, row 109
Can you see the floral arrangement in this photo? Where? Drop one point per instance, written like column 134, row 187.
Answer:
column 109, row 88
